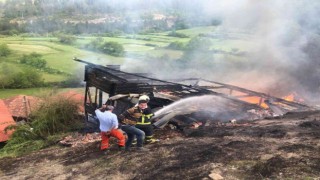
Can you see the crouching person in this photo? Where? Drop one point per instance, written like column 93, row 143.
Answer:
column 128, row 123
column 109, row 127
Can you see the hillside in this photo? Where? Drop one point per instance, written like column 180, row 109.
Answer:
column 87, row 16
column 270, row 148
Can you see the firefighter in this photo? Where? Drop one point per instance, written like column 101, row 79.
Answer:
column 144, row 122
column 128, row 120
column 109, row 127
column 143, row 114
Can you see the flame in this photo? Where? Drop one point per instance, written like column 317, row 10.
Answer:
column 255, row 100
column 290, row 97
column 293, row 97
column 260, row 101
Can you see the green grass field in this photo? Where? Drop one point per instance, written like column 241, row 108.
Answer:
column 60, row 56
column 6, row 93
column 39, row 92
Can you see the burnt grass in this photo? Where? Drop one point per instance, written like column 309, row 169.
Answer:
column 286, row 148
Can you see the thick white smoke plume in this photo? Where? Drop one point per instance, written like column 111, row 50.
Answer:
column 282, row 54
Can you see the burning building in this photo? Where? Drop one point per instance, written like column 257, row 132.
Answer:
column 186, row 101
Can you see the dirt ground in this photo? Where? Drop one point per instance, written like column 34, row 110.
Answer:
column 282, row 148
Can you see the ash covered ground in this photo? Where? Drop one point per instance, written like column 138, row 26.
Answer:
column 281, row 148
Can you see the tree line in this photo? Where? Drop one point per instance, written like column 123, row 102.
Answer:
column 78, row 16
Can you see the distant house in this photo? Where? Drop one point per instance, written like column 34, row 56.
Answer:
column 5, row 121
column 21, row 106
column 17, row 109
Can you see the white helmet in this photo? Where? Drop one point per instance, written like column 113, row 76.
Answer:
column 144, row 98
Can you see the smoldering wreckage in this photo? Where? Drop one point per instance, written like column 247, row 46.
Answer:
column 179, row 103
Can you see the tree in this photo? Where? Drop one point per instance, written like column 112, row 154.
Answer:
column 4, row 50
column 112, row 48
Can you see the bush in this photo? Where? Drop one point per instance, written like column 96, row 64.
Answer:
column 175, row 34
column 4, row 50
column 25, row 79
column 22, row 141
column 198, row 48
column 176, row 45
column 112, row 34
column 55, row 117
column 112, row 48
column 66, row 39
column 95, row 44
column 199, row 43
column 5, row 72
column 71, row 82
column 34, row 60
column 151, row 45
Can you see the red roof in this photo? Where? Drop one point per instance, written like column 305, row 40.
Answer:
column 21, row 105
column 75, row 96
column 5, row 120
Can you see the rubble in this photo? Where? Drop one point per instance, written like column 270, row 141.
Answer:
column 78, row 139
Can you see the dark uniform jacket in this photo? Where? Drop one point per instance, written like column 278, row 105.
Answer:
column 135, row 115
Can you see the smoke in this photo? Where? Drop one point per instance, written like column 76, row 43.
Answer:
column 282, row 47
column 269, row 46
column 284, row 57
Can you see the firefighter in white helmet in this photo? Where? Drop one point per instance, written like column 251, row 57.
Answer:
column 142, row 113
column 144, row 123
column 144, row 98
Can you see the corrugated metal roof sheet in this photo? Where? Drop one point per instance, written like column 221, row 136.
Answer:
column 5, row 120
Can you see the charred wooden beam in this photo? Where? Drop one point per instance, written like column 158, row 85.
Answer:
column 218, row 85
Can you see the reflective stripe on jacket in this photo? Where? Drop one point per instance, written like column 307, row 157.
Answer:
column 145, row 119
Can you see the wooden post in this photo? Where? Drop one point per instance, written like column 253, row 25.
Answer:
column 25, row 105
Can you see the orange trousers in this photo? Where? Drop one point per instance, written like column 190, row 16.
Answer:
column 113, row 133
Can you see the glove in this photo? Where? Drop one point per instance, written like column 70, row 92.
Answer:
column 147, row 111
